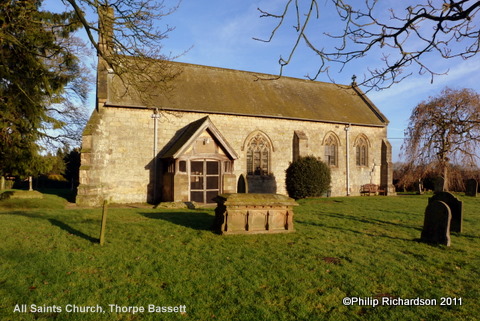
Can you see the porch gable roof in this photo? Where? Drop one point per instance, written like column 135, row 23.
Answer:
column 190, row 135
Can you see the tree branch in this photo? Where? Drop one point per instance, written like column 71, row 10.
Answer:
column 434, row 25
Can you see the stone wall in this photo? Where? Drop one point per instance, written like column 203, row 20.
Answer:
column 118, row 151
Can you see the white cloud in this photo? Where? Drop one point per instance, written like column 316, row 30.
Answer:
column 463, row 74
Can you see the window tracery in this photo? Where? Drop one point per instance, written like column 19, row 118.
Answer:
column 361, row 146
column 258, row 155
column 331, row 150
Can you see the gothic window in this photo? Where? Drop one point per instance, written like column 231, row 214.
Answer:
column 331, row 150
column 258, row 155
column 361, row 146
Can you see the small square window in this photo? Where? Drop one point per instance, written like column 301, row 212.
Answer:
column 182, row 166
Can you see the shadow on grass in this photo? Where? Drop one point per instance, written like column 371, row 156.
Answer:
column 24, row 214
column 467, row 236
column 343, row 229
column 194, row 220
column 57, row 223
column 72, row 231
column 372, row 221
column 65, row 193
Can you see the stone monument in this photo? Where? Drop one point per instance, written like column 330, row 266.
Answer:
column 436, row 225
column 472, row 188
column 456, row 208
column 238, row 213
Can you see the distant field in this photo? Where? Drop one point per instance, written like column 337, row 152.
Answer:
column 357, row 247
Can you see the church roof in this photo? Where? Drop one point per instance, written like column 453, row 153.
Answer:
column 214, row 90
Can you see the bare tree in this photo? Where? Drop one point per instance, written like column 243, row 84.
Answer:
column 442, row 131
column 133, row 24
column 406, row 38
column 67, row 109
column 127, row 37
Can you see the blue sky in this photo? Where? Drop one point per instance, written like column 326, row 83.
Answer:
column 220, row 34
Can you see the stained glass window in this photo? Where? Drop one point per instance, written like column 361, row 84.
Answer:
column 258, row 156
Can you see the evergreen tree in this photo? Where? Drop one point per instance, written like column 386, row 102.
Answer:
column 37, row 63
column 43, row 83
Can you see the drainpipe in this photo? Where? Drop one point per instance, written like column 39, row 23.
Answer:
column 155, row 117
column 347, row 144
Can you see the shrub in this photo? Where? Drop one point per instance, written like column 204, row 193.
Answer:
column 307, row 176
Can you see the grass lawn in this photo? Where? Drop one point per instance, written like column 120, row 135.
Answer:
column 357, row 247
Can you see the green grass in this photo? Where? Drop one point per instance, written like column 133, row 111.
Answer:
column 343, row 247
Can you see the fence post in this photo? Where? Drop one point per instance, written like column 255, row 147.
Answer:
column 104, row 222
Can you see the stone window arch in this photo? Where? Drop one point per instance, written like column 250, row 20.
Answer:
column 361, row 150
column 259, row 153
column 331, row 144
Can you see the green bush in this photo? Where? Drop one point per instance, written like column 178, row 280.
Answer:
column 307, row 176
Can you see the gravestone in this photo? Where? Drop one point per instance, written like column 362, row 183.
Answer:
column 436, row 224
column 438, row 183
column 472, row 188
column 456, row 208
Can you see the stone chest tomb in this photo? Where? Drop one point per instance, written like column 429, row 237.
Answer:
column 254, row 213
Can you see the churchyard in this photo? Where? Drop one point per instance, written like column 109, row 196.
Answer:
column 357, row 258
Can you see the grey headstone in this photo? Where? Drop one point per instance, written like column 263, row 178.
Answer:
column 438, row 183
column 456, row 209
column 472, row 188
column 436, row 225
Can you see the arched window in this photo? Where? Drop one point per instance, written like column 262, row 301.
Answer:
column 258, row 155
column 361, row 146
column 331, row 150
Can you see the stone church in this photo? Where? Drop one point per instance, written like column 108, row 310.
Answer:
column 225, row 131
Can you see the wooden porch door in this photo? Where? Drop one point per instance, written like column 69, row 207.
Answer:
column 204, row 180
